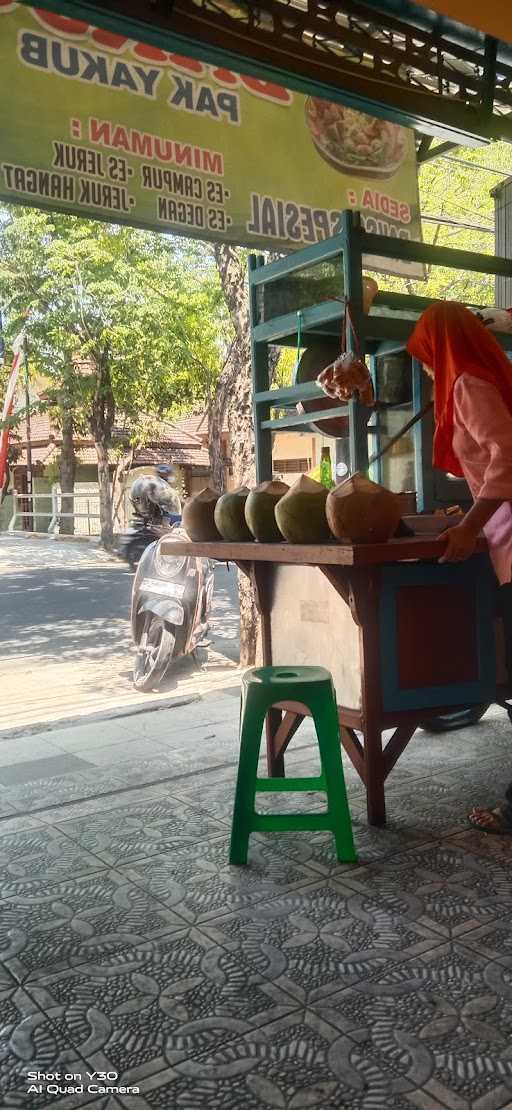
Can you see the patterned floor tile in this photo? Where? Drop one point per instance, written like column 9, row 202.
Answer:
column 39, row 854
column 214, row 794
column 37, row 795
column 58, row 925
column 297, row 1062
column 482, row 783
column 202, row 885
column 7, row 981
column 30, row 1042
column 438, row 1024
column 439, row 808
column 310, row 943
column 18, row 823
column 110, row 803
column 440, row 886
column 316, row 850
column 6, row 807
column 493, row 941
column 136, row 771
column 135, row 830
column 158, row 1003
column 484, row 846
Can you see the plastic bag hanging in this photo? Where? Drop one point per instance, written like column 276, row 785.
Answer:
column 348, row 376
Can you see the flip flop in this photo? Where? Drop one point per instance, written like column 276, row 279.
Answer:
column 489, row 821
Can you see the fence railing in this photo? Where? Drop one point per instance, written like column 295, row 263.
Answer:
column 56, row 513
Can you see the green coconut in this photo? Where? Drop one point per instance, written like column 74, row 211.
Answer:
column 300, row 514
column 362, row 511
column 260, row 510
column 198, row 516
column 230, row 516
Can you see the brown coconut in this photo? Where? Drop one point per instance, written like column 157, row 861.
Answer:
column 361, row 511
column 260, row 510
column 198, row 516
column 230, row 516
column 300, row 514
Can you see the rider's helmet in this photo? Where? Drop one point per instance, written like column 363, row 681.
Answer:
column 166, row 472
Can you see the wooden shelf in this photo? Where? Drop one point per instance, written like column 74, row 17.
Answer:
column 422, row 547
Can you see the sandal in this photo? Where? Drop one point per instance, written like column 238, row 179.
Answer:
column 489, row 821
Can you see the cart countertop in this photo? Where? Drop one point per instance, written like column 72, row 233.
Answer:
column 425, row 546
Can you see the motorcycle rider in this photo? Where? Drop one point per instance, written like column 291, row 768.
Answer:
column 154, row 496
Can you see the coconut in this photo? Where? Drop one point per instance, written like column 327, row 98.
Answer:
column 198, row 516
column 260, row 510
column 300, row 514
column 230, row 516
column 361, row 511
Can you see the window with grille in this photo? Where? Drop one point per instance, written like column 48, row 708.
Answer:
column 291, row 466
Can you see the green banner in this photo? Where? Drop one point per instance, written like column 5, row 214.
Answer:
column 96, row 124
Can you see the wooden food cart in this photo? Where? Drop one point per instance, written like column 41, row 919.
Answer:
column 404, row 637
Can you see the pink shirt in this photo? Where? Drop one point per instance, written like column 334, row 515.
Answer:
column 482, row 441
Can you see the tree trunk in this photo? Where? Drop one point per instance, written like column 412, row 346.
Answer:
column 216, row 417
column 101, row 421
column 67, row 474
column 234, row 397
column 106, row 526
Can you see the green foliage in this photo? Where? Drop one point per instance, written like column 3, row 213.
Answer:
column 457, row 192
column 147, row 305
column 285, row 367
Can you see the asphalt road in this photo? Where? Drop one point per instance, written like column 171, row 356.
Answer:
column 57, row 598
column 64, row 621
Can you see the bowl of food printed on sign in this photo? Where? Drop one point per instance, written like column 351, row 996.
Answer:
column 354, row 143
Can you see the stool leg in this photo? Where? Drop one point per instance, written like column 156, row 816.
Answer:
column 252, row 719
column 325, row 716
column 275, row 764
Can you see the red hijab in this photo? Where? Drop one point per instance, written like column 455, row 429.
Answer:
column 450, row 340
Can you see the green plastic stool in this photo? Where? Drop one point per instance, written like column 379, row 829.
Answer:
column 263, row 687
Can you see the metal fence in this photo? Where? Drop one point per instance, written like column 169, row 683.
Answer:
column 85, row 510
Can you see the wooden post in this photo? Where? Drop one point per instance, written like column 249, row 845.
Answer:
column 422, row 439
column 365, row 608
column 353, row 284
column 260, row 382
column 261, row 574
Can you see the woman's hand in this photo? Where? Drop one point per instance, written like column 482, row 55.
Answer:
column 461, row 542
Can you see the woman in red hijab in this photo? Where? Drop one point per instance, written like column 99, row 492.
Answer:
column 473, row 439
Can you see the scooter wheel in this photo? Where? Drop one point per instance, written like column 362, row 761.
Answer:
column 154, row 653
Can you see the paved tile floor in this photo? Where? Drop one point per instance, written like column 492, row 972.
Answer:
column 129, row 946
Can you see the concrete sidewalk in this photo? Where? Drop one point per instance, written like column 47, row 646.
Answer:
column 86, row 760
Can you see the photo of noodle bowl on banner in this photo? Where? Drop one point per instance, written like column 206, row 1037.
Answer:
column 354, row 143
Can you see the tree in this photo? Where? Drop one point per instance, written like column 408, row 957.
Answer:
column 233, row 398
column 462, row 193
column 141, row 312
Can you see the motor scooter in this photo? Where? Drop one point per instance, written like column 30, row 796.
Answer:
column 171, row 602
column 129, row 545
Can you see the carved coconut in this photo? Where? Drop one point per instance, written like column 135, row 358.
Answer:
column 300, row 514
column 230, row 516
column 260, row 510
column 362, row 511
column 198, row 516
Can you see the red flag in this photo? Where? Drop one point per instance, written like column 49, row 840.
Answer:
column 9, row 403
